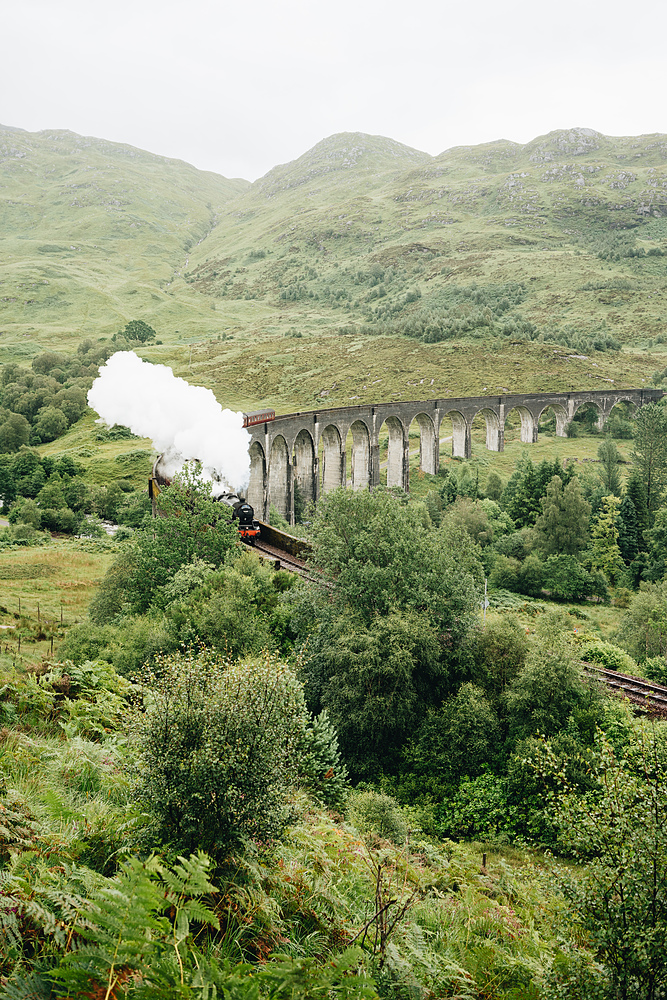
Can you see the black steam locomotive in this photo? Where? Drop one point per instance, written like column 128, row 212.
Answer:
column 244, row 514
column 242, row 511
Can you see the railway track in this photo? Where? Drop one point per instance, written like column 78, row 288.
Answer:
column 282, row 559
column 652, row 698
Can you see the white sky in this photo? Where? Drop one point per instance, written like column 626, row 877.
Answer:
column 239, row 87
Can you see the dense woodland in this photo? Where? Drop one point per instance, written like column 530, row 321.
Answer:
column 229, row 781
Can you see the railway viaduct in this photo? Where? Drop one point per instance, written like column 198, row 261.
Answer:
column 310, row 447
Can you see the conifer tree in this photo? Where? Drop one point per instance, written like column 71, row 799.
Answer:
column 650, row 454
column 562, row 528
column 609, row 456
column 636, row 491
column 627, row 529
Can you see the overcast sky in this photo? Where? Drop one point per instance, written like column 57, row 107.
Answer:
column 239, row 87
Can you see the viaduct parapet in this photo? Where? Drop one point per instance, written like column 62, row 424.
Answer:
column 312, row 447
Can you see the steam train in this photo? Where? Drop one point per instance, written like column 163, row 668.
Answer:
column 244, row 514
column 242, row 511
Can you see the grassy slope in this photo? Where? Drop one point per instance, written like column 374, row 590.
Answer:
column 96, row 233
column 92, row 235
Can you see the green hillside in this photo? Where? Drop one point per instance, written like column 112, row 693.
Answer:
column 361, row 263
column 91, row 235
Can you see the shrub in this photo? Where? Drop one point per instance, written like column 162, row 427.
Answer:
column 460, row 738
column 655, row 668
column 374, row 813
column 219, row 746
column 567, row 580
column 478, row 809
column 505, row 573
column 643, row 630
column 610, row 656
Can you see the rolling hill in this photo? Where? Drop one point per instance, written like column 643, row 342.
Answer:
column 361, row 260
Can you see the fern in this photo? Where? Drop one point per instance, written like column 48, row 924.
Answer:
column 137, row 937
column 34, row 986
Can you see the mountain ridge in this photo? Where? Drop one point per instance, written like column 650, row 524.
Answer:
column 559, row 240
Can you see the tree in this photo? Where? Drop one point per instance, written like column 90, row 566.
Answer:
column 377, row 558
column 14, row 432
column 50, row 424
column 501, row 653
column 136, row 329
column 494, row 486
column 627, row 529
column 191, row 524
column 643, row 630
column 650, row 454
column 605, row 551
column 220, row 750
column 562, row 528
column 656, row 539
column 609, row 457
column 620, row 897
column 527, row 485
column 567, row 580
column 543, row 695
column 375, row 679
column 460, row 738
column 7, row 483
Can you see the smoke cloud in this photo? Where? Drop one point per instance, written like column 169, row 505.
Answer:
column 183, row 421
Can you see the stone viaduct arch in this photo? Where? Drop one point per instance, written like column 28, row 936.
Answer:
column 309, row 447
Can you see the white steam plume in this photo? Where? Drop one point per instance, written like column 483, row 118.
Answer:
column 183, row 421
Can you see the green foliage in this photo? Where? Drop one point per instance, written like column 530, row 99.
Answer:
column 375, row 680
column 235, row 610
column 643, row 630
column 322, row 770
column 605, row 553
column 139, row 928
column 378, row 558
column 619, row 901
column 562, row 527
column 609, row 456
column 374, row 813
column 502, row 647
column 40, row 405
column 479, row 809
column 628, row 541
column 608, row 655
column 656, row 541
column 565, row 579
column 551, row 685
column 219, row 750
column 110, row 600
column 191, row 526
column 459, row 739
column 655, row 668
column 137, row 330
column 650, row 455
column 527, row 486
column 14, row 432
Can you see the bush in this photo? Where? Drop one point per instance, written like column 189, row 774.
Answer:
column 643, row 630
column 220, row 750
column 505, row 574
column 567, row 580
column 479, row 809
column 374, row 813
column 610, row 656
column 460, row 738
column 655, row 668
